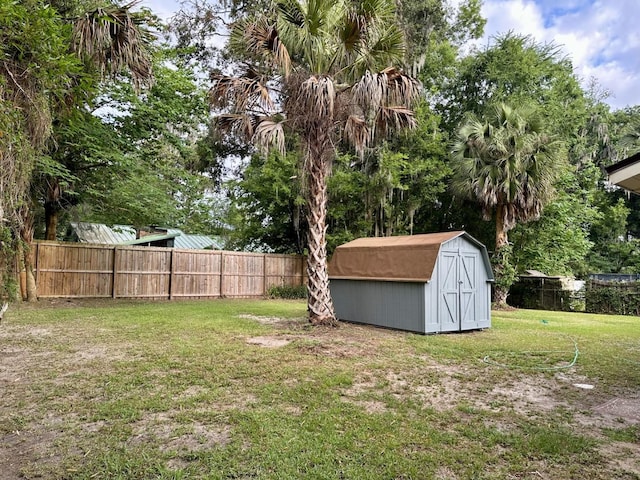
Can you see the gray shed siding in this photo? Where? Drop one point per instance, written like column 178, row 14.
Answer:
column 458, row 297
column 385, row 304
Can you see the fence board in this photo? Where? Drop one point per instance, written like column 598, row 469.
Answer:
column 74, row 270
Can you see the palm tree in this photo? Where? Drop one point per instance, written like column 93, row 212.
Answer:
column 319, row 69
column 509, row 165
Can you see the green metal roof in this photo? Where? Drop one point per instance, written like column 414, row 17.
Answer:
column 150, row 238
column 126, row 235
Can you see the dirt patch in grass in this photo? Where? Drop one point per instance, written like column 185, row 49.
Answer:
column 623, row 457
column 310, row 345
column 269, row 342
column 172, row 435
column 22, row 449
column 278, row 322
column 625, row 410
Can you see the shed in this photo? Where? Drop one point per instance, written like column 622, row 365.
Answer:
column 431, row 283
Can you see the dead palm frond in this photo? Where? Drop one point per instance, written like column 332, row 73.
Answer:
column 370, row 91
column 269, row 134
column 113, row 39
column 260, row 39
column 394, row 118
column 358, row 133
column 241, row 93
column 239, row 124
column 401, row 88
column 318, row 95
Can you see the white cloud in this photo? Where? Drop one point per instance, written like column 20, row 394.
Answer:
column 599, row 37
column 521, row 16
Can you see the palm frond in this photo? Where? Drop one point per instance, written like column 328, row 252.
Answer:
column 269, row 134
column 238, row 124
column 114, row 39
column 401, row 88
column 389, row 87
column 370, row 90
column 395, row 118
column 351, row 34
column 386, row 46
column 261, row 38
column 291, row 12
column 318, row 95
column 358, row 133
column 239, row 92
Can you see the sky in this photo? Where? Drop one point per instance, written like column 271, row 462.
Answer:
column 599, row 36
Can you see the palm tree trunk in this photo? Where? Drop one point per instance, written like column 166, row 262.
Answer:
column 502, row 237
column 501, row 291
column 318, row 166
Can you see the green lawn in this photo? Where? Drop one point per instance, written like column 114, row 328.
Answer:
column 247, row 390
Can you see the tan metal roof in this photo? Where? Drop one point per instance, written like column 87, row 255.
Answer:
column 401, row 259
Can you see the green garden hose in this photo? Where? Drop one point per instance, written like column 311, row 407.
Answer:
column 487, row 359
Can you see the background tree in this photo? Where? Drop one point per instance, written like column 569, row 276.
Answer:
column 383, row 192
column 36, row 71
column 267, row 206
column 514, row 69
column 55, row 70
column 558, row 242
column 508, row 164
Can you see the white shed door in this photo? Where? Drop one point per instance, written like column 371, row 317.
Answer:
column 457, row 306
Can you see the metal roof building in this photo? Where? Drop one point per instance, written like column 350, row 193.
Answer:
column 430, row 283
column 126, row 235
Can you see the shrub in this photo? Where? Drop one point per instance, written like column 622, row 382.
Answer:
column 616, row 298
column 288, row 291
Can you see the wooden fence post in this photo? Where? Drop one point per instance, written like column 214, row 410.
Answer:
column 264, row 274
column 171, row 273
column 36, row 263
column 114, row 283
column 221, row 272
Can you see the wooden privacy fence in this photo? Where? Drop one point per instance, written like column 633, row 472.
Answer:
column 81, row 270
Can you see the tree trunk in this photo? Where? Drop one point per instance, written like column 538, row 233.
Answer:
column 51, row 219
column 26, row 235
column 501, row 290
column 318, row 166
column 51, row 209
column 500, row 295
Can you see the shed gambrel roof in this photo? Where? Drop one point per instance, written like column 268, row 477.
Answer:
column 409, row 258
